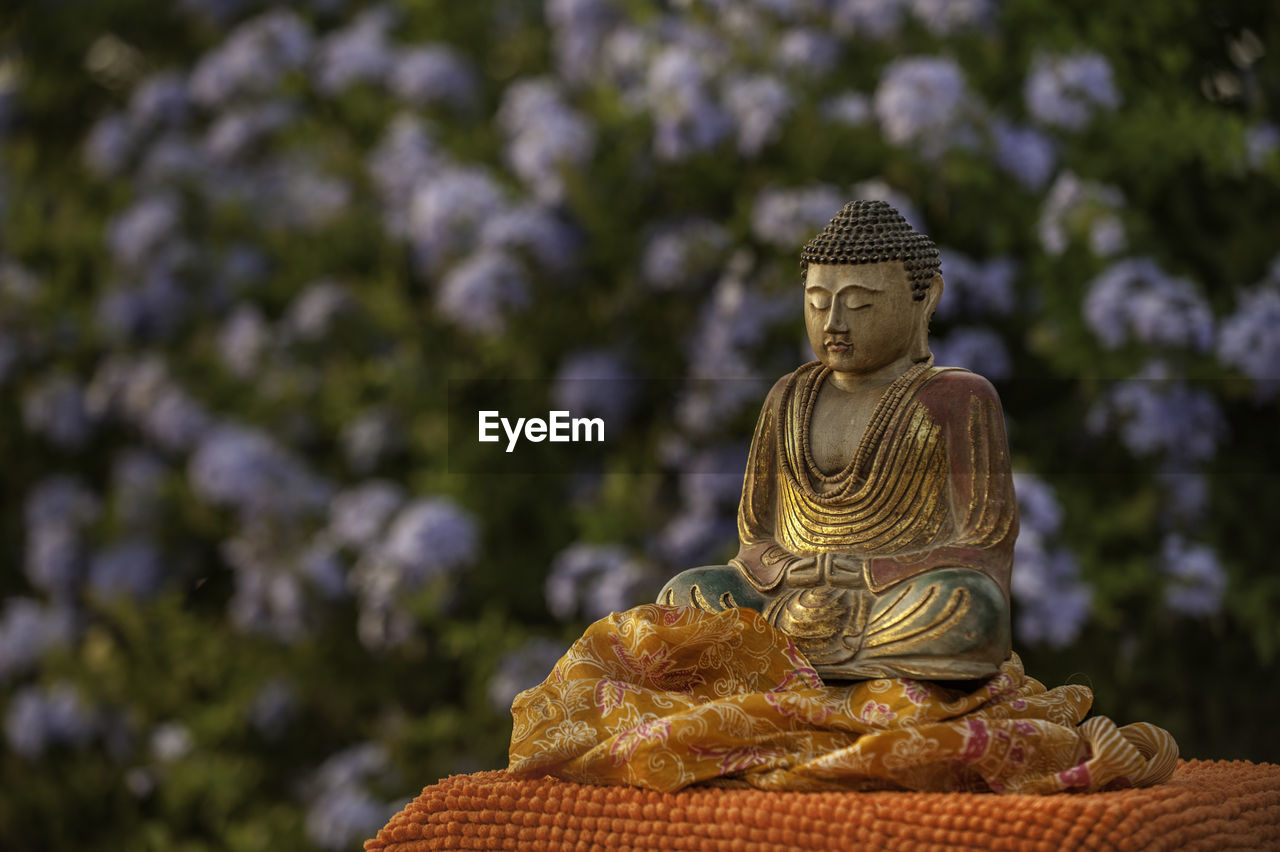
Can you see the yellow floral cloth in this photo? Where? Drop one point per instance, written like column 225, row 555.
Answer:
column 664, row 697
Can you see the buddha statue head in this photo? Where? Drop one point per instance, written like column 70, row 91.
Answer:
column 871, row 284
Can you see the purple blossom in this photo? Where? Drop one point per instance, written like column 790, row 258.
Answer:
column 686, row 118
column 975, row 348
column 404, row 158
column 246, row 469
column 722, row 379
column 944, row 17
column 578, row 28
column 1196, row 581
column 55, row 409
column 369, row 437
column 244, row 338
column 268, row 598
column 28, row 629
column 875, row 19
column 1249, row 339
column 236, row 131
column 447, row 212
column 1068, row 90
column 521, row 669
column 1133, row 297
column 595, row 383
column 976, row 288
column 1157, row 415
column 160, row 101
column 151, row 309
column 323, row 568
column 40, row 718
column 142, row 392
column 109, row 145
column 624, row 59
column 358, row 515
column 786, row 218
column 128, row 568
column 342, row 812
column 1052, row 602
column 252, row 59
column 1081, row 209
column 807, row 50
column 171, row 159
column 1261, row 142
column 544, row 136
column 174, row 420
column 1186, row 496
column 480, row 292
column 535, row 230
column 358, row 53
column 431, row 537
column 300, row 196
column 921, row 101
column 434, row 74
column 1039, row 511
column 758, row 105
column 1024, row 152
column 60, row 502
column 594, row 580
column 692, row 538
column 711, row 480
column 681, row 252
column 852, row 109
column 140, row 232
column 312, row 313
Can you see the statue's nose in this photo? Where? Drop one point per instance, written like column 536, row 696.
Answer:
column 835, row 318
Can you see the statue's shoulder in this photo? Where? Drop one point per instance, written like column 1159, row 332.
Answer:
column 954, row 385
column 786, row 383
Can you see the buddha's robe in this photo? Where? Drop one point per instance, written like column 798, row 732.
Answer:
column 902, row 569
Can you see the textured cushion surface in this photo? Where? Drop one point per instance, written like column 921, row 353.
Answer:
column 1208, row 805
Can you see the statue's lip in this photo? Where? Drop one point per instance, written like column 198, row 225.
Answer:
column 837, row 345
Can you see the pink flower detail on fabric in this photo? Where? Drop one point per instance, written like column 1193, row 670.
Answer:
column 801, row 668
column 656, row 670
column 999, row 685
column 655, row 730
column 611, row 694
column 671, row 615
column 917, row 693
column 1024, row 727
column 976, row 741
column 875, row 713
column 793, row 706
column 1077, row 777
column 1018, row 704
column 738, row 758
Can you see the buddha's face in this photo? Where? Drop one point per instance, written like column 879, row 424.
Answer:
column 862, row 319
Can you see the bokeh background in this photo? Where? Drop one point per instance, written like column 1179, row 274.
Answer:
column 254, row 598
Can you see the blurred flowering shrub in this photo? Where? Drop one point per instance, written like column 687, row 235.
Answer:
column 253, row 602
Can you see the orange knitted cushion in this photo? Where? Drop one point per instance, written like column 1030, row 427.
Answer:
column 1207, row 805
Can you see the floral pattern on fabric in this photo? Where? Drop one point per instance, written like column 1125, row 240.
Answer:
column 664, row 697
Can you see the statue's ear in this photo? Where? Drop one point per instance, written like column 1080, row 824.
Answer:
column 933, row 295
column 927, row 306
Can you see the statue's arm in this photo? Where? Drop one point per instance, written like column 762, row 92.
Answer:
column 760, row 557
column 983, row 507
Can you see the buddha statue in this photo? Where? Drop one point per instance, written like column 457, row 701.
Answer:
column 878, row 516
